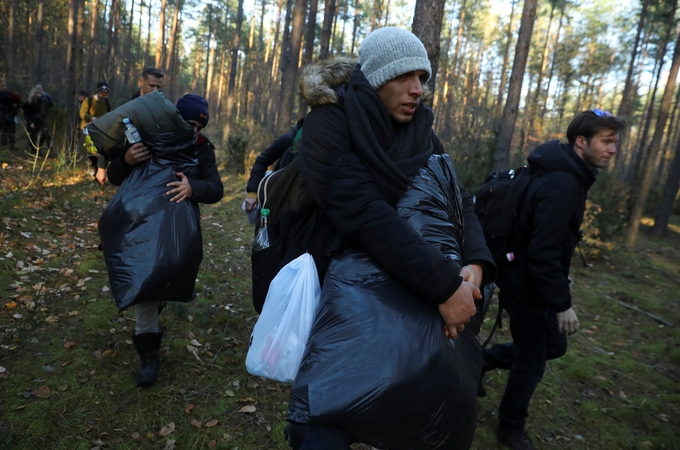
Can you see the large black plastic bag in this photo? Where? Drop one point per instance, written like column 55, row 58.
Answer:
column 152, row 246
column 377, row 363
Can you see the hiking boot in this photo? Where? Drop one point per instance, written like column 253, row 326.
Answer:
column 515, row 441
column 148, row 346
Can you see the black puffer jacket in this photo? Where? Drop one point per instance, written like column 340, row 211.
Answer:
column 207, row 187
column 357, row 211
column 548, row 227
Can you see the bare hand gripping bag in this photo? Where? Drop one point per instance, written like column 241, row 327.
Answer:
column 377, row 363
column 152, row 247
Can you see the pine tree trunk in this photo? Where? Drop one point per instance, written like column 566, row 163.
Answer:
column 232, row 71
column 309, row 47
column 290, row 66
column 504, row 67
column 39, row 35
column 502, row 155
column 92, row 47
column 326, row 28
column 427, row 25
column 647, row 173
column 532, row 137
column 9, row 51
column 70, row 58
column 552, row 64
column 625, row 107
column 160, row 44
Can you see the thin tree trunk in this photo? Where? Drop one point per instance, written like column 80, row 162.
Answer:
column 502, row 155
column 309, row 47
column 39, row 35
column 647, row 172
column 232, row 70
column 171, row 70
column 211, row 55
column 326, row 28
column 427, row 25
column 290, row 65
column 147, row 52
column 70, row 58
column 552, row 64
column 533, row 105
column 504, row 66
column 160, row 44
column 355, row 24
column 9, row 51
column 626, row 105
column 129, row 61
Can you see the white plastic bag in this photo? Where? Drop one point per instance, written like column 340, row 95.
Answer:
column 280, row 334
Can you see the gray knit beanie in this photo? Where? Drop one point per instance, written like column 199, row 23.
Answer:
column 389, row 52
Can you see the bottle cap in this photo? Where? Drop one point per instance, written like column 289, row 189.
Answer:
column 126, row 120
column 264, row 211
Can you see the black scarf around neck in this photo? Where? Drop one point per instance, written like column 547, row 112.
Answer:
column 392, row 153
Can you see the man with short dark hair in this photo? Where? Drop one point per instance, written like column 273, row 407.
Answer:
column 151, row 80
column 535, row 289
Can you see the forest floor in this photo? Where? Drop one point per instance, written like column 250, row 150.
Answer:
column 67, row 361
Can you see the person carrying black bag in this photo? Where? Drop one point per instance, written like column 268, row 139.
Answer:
column 205, row 187
column 363, row 143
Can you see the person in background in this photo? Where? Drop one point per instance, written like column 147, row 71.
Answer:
column 90, row 109
column 206, row 188
column 35, row 115
column 272, row 154
column 82, row 95
column 151, row 80
column 10, row 103
column 535, row 289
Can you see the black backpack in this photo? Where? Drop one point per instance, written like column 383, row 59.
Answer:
column 496, row 204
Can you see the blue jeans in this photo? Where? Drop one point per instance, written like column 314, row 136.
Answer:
column 535, row 340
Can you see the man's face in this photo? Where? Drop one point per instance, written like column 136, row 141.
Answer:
column 402, row 95
column 2, row 86
column 149, row 84
column 81, row 98
column 197, row 126
column 599, row 150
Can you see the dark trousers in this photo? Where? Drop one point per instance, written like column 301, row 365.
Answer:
column 312, row 437
column 535, row 340
column 8, row 134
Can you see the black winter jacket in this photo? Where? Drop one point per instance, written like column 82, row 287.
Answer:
column 207, row 187
column 548, row 227
column 364, row 218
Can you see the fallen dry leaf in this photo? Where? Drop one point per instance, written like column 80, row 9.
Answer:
column 196, row 423
column 229, row 393
column 64, row 364
column 69, row 344
column 212, row 443
column 52, row 319
column 169, row 444
column 43, row 392
column 212, row 423
column 189, row 408
column 248, row 409
column 168, row 429
column 11, row 305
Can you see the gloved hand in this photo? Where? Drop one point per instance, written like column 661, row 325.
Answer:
column 567, row 322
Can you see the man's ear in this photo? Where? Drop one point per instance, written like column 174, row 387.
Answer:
column 140, row 81
column 581, row 142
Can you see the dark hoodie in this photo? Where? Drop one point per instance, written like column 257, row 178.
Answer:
column 338, row 178
column 548, row 227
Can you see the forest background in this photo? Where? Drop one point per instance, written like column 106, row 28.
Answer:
column 509, row 75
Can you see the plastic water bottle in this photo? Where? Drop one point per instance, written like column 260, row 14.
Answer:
column 262, row 239
column 131, row 132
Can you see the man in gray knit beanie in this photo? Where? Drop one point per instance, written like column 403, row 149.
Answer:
column 366, row 138
column 390, row 52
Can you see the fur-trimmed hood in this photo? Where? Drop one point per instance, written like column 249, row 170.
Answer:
column 319, row 81
column 322, row 82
